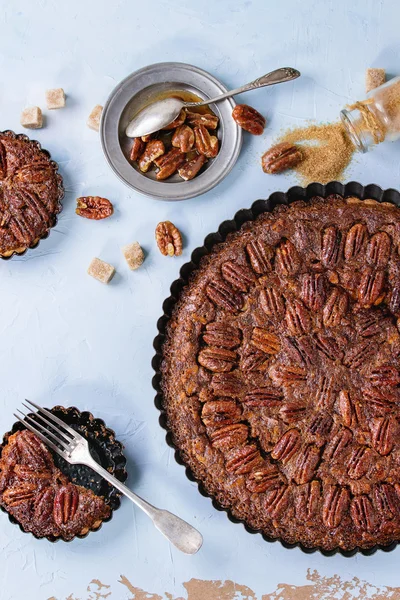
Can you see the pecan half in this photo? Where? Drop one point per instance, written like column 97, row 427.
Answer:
column 288, row 374
column 287, row 259
column 209, row 121
column 276, row 501
column 324, row 392
column 287, row 446
column 205, row 143
column 191, row 168
column 345, row 407
column 34, row 453
column 265, row 341
column 321, row 425
column 281, row 157
column 218, row 360
column 262, row 478
column 359, row 462
column 137, row 149
column 221, row 334
column 384, row 432
column 243, row 460
column 305, row 464
column 359, row 354
column 307, row 501
column 386, row 501
column 363, row 514
column 229, row 436
column 93, row 207
column 271, row 302
column 297, row 317
column 65, row 504
column 154, row 149
column 336, row 504
column 43, row 508
column 34, row 173
column 227, row 384
column 254, row 361
column 378, row 402
column 224, row 296
column 180, row 119
column 394, row 302
column 385, row 375
column 300, row 350
column 335, row 308
column 239, row 277
column 328, row 346
column 218, row 413
column 355, row 241
column 17, row 494
column 169, row 239
column 338, row 444
column 265, row 396
column 170, row 163
column 292, row 412
column 370, row 324
column 313, row 290
column 371, row 287
column 249, row 119
column 331, row 247
column 378, row 249
column 183, row 138
column 260, row 255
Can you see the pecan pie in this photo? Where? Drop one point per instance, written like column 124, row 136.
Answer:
column 40, row 497
column 30, row 193
column 281, row 373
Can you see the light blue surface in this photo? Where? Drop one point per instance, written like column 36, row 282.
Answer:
column 66, row 339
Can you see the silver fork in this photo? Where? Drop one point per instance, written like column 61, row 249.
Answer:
column 74, row 449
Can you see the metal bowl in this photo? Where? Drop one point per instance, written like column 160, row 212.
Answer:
column 136, row 91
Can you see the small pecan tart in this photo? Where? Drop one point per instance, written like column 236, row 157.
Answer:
column 31, row 191
column 289, row 334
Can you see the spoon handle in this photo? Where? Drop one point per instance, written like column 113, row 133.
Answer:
column 277, row 76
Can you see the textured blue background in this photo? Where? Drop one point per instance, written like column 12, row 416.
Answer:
column 67, row 339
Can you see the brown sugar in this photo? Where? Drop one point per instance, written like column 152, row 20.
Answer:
column 327, row 151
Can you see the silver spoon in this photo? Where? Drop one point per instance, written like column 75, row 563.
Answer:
column 161, row 113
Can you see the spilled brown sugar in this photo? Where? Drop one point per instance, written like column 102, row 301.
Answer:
column 327, row 151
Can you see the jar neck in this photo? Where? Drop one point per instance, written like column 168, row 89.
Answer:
column 363, row 126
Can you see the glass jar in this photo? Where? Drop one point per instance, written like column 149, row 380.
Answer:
column 375, row 119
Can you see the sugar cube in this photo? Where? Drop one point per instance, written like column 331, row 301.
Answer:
column 32, row 118
column 101, row 270
column 55, row 98
column 133, row 254
column 94, row 117
column 374, row 78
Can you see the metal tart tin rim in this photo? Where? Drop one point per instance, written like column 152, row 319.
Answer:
column 158, row 73
column 122, row 476
column 61, row 193
column 351, row 189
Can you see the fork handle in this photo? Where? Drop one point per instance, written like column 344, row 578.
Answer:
column 184, row 537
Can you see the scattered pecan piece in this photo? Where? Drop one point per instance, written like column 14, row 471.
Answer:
column 205, row 143
column 249, row 119
column 183, row 138
column 281, row 157
column 191, row 168
column 180, row 119
column 169, row 239
column 209, row 120
column 154, row 149
column 94, row 207
column 65, row 504
column 137, row 149
column 170, row 163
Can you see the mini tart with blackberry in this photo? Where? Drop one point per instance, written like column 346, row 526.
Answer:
column 31, row 191
column 280, row 374
column 43, row 493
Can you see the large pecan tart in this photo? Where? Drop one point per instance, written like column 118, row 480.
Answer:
column 30, row 193
column 40, row 497
column 280, row 373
